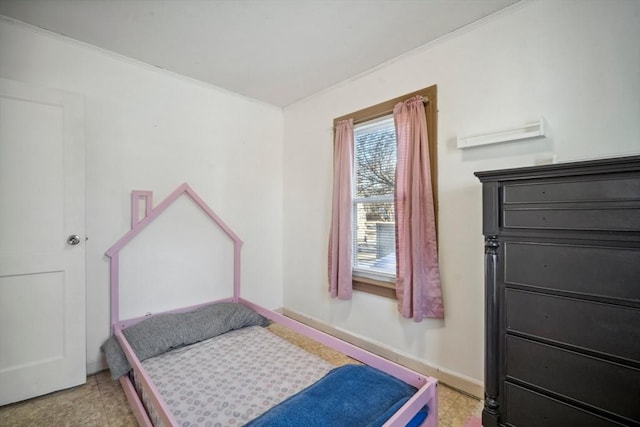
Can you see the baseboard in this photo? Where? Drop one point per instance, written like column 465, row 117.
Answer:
column 96, row 366
column 457, row 381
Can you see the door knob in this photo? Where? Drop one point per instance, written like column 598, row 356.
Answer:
column 73, row 239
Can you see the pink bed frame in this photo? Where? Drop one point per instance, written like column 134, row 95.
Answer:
column 427, row 393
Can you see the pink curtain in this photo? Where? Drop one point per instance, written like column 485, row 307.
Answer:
column 418, row 276
column 340, row 243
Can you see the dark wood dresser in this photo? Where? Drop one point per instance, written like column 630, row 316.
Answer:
column 562, row 294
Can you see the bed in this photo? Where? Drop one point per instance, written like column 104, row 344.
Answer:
column 218, row 364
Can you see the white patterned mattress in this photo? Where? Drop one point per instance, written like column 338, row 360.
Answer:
column 230, row 379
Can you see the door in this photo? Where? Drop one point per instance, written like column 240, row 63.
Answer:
column 42, row 272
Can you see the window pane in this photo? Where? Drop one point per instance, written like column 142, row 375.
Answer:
column 375, row 158
column 375, row 237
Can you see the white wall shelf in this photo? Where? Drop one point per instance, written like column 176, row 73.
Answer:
column 533, row 130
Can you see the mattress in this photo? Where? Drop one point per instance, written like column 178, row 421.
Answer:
column 231, row 379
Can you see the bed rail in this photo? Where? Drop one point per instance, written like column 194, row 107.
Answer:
column 161, row 408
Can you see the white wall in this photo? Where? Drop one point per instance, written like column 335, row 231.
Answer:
column 575, row 63
column 147, row 129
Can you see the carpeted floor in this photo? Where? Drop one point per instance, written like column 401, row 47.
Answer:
column 473, row 421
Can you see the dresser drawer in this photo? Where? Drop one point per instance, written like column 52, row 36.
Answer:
column 591, row 270
column 573, row 218
column 588, row 190
column 604, row 328
column 526, row 408
column 600, row 384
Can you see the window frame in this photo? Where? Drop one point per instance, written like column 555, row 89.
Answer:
column 380, row 287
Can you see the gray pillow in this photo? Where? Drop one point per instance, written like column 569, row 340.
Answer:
column 163, row 332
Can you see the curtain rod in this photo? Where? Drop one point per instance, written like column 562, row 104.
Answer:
column 380, row 110
column 425, row 101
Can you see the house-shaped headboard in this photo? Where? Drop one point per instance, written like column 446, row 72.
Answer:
column 139, row 224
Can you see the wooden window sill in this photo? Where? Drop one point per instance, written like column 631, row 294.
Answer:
column 376, row 287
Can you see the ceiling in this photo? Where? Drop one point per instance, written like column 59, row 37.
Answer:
column 275, row 51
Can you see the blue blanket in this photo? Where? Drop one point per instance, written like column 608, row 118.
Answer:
column 348, row 396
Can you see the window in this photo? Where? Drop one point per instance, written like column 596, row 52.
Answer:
column 373, row 206
column 374, row 266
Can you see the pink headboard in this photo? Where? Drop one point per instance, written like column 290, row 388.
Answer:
column 137, row 225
